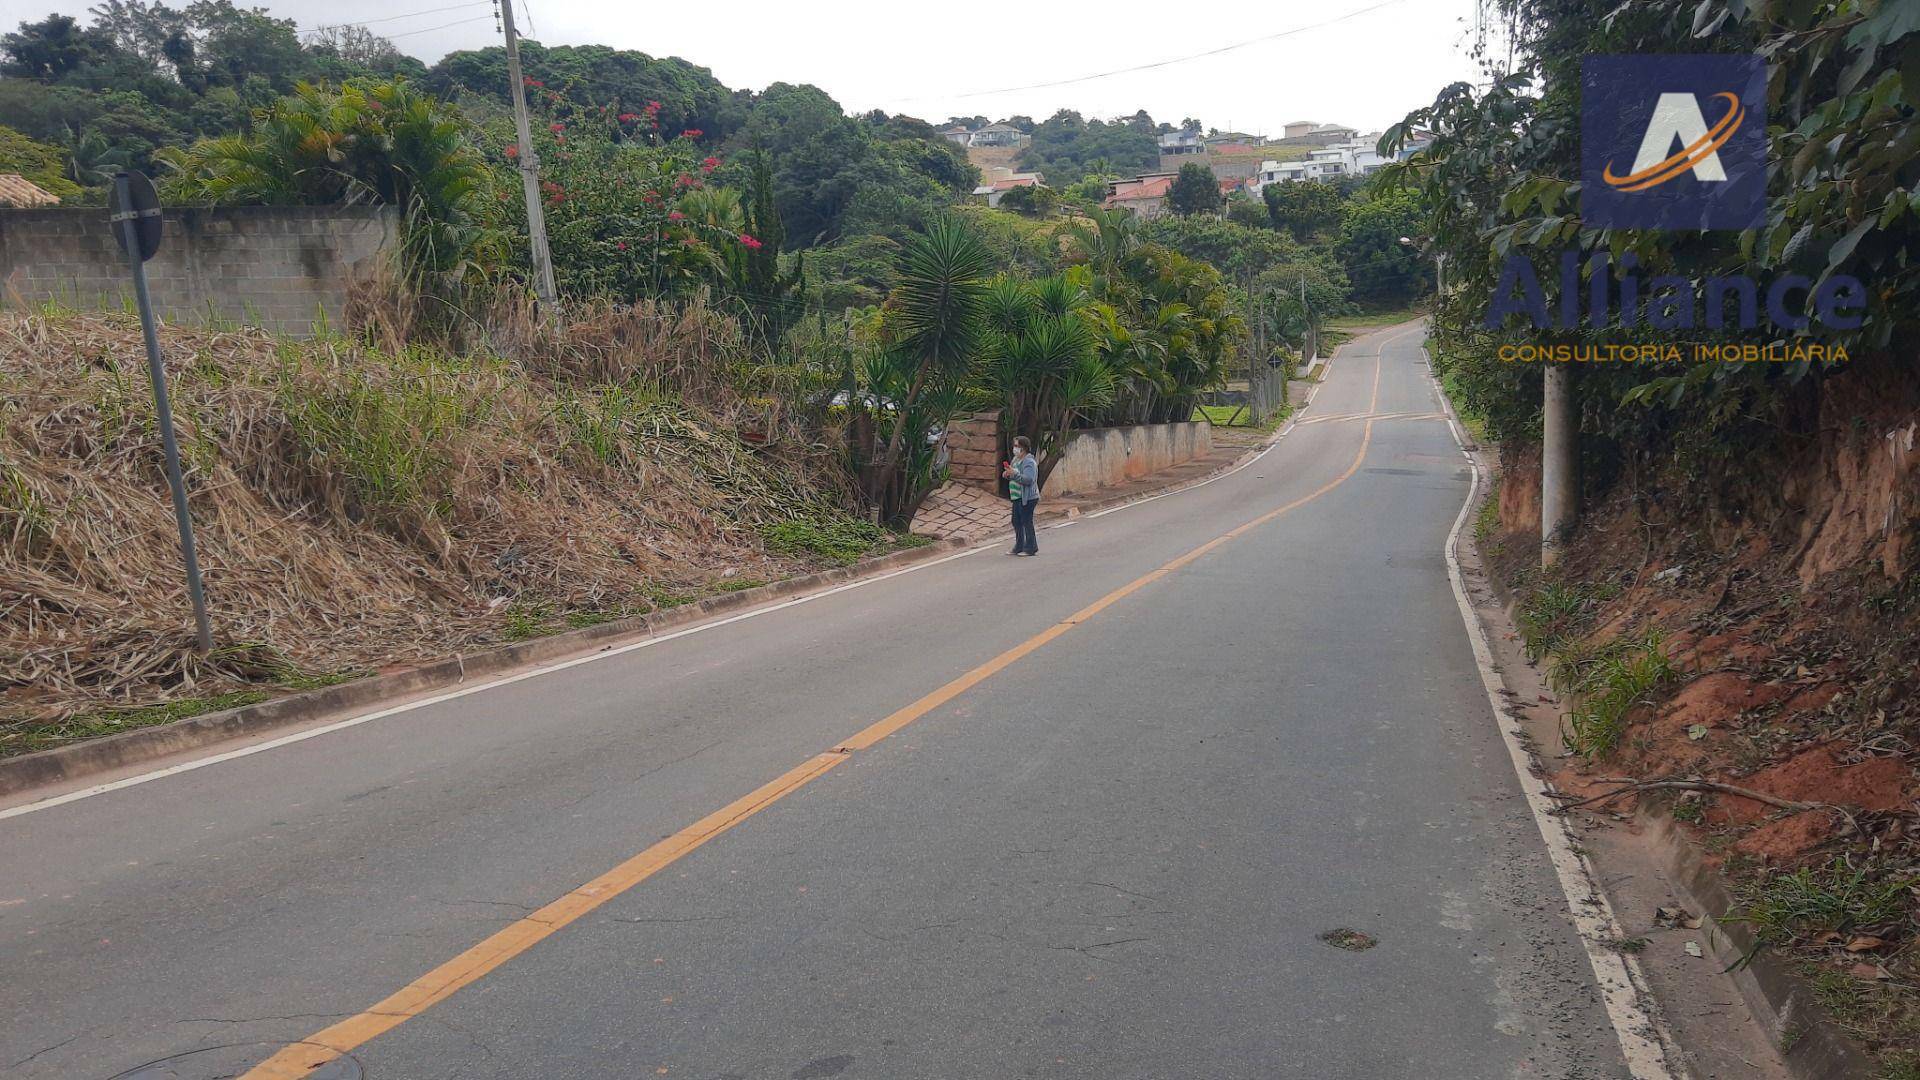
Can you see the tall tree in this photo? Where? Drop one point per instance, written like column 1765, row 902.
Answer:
column 773, row 297
column 1195, row 191
column 51, row 48
column 1302, row 207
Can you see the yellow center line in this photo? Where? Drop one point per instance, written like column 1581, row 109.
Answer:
column 302, row 1058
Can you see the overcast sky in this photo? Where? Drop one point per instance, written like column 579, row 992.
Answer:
column 934, row 61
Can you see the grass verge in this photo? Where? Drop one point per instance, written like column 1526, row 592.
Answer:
column 1239, row 417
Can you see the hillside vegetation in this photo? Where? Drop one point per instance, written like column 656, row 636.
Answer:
column 358, row 507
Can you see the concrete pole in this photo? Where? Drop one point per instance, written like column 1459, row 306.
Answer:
column 1559, row 490
column 529, row 164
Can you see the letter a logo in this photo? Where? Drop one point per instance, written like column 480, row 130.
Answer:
column 1677, row 117
column 1699, row 127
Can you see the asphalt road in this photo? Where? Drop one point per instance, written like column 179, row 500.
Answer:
column 1111, row 855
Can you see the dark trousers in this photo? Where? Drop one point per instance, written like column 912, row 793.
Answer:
column 1023, row 535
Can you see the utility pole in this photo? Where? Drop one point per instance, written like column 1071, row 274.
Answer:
column 1559, row 492
column 1307, row 343
column 529, row 164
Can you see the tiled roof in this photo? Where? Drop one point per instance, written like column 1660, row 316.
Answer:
column 1152, row 187
column 17, row 190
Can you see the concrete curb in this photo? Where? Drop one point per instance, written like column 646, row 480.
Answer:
column 29, row 771
column 1779, row 1000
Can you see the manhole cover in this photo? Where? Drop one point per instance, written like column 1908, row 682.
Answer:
column 1350, row 940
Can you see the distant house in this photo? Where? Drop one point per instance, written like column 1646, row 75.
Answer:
column 995, row 186
column 958, row 135
column 1145, row 197
column 1184, row 141
column 999, row 135
column 1311, row 133
column 19, row 192
column 1358, row 157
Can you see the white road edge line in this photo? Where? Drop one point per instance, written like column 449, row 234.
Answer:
column 548, row 669
column 1623, row 986
column 476, row 688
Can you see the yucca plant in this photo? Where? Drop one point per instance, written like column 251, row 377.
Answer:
column 933, row 326
column 1041, row 366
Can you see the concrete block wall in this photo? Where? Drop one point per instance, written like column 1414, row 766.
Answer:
column 1104, row 457
column 279, row 267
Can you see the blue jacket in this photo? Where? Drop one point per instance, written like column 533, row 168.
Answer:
column 1024, row 484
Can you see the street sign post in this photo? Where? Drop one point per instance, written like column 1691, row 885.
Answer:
column 136, row 225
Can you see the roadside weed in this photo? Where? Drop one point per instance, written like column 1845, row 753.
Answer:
column 839, row 540
column 1839, row 897
column 1606, row 683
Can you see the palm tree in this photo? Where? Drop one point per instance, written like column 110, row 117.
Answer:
column 1106, row 246
column 1042, row 367
column 382, row 144
column 91, row 159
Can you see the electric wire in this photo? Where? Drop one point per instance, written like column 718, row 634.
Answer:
column 396, row 18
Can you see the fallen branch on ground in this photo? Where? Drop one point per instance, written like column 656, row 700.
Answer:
column 1631, row 786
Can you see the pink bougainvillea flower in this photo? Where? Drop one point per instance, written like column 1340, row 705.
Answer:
column 513, row 151
column 692, row 133
column 676, row 216
column 556, row 127
column 622, row 245
column 749, row 241
column 710, row 164
column 628, row 118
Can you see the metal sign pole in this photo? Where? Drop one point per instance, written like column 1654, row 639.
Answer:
column 127, row 218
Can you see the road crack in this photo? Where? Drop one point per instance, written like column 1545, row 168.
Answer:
column 44, row 1051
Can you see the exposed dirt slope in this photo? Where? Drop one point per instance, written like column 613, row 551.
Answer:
column 1786, row 606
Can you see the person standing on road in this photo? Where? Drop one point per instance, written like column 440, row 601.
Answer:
column 1023, row 487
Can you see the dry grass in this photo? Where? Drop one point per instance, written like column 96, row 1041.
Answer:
column 358, row 507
